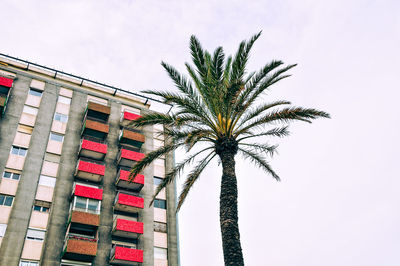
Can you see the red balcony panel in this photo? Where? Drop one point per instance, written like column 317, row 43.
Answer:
column 130, row 200
column 88, row 192
column 92, row 149
column 131, row 155
column 124, row 175
column 128, row 254
column 93, row 168
column 129, row 226
column 131, row 116
column 6, row 82
column 90, row 171
column 124, row 181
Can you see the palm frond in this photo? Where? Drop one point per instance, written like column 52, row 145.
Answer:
column 276, row 132
column 192, row 178
column 177, row 170
column 267, row 149
column 259, row 161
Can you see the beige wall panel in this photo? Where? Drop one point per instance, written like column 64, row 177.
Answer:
column 33, row 100
column 160, row 240
column 66, row 92
column 95, row 99
column 15, row 161
column 157, row 143
column 44, row 193
column 22, row 139
column 159, row 171
column 50, row 168
column 32, row 250
column 160, row 215
column 59, row 127
column 27, row 119
column 160, row 262
column 4, row 214
column 36, row 84
column 62, row 108
column 162, row 194
column 54, row 147
column 39, row 219
column 8, row 186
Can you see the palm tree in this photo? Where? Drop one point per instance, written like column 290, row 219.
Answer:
column 218, row 107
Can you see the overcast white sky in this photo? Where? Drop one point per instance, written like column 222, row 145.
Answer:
column 338, row 203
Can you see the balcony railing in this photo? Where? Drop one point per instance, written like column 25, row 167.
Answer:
column 96, row 129
column 124, row 181
column 128, row 203
column 98, row 111
column 128, row 158
column 127, row 228
column 79, row 248
column 126, row 256
column 90, row 170
column 132, row 138
column 127, row 117
column 92, row 149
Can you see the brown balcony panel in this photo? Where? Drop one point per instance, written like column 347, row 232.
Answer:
column 99, row 108
column 132, row 138
column 79, row 249
column 85, row 218
column 97, row 126
column 3, row 100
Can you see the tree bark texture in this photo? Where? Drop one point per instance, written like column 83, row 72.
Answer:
column 229, row 212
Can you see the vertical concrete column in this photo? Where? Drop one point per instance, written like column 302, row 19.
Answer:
column 62, row 192
column 172, row 217
column 14, row 238
column 106, row 217
column 146, row 241
column 9, row 123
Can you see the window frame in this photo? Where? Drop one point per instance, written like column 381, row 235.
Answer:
column 28, row 263
column 5, row 199
column 12, row 174
column 19, row 150
column 41, row 209
column 62, row 117
column 97, row 211
column 35, row 91
column 156, row 201
column 57, row 135
column 35, row 238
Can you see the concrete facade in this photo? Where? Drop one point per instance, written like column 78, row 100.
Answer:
column 40, row 137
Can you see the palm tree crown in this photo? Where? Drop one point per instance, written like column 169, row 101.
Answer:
column 217, row 106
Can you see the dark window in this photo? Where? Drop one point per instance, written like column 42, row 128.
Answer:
column 11, row 175
column 40, row 208
column 162, row 204
column 18, row 151
column 6, row 200
column 35, row 92
column 157, row 180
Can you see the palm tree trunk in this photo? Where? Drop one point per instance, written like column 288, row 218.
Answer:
column 229, row 212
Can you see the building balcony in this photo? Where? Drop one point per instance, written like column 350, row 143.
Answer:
column 127, row 228
column 92, row 149
column 85, row 218
column 5, row 85
column 3, row 104
column 79, row 248
column 126, row 256
column 128, row 203
column 128, row 158
column 90, row 171
column 94, row 129
column 127, row 117
column 131, row 137
column 88, row 192
column 124, row 181
column 98, row 111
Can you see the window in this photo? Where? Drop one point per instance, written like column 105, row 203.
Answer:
column 18, row 151
column 40, row 208
column 28, row 263
column 47, row 181
column 3, row 228
column 34, row 234
column 35, row 92
column 6, row 200
column 30, row 110
column 87, row 205
column 62, row 99
column 162, row 204
column 157, row 180
column 61, row 117
column 10, row 175
column 56, row 137
column 160, row 253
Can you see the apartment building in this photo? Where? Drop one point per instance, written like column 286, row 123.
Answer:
column 65, row 193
